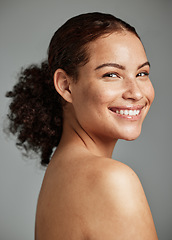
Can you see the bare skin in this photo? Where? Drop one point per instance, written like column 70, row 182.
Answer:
column 85, row 194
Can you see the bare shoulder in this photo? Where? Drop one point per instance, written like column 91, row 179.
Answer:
column 98, row 197
column 121, row 188
column 121, row 178
column 121, row 203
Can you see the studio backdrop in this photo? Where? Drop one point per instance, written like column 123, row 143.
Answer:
column 26, row 28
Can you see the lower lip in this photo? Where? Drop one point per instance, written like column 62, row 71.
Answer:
column 128, row 117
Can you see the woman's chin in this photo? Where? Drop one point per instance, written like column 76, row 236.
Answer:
column 131, row 135
column 131, row 138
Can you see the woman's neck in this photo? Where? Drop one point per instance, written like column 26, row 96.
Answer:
column 74, row 135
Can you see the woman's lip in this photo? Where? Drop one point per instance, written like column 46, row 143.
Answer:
column 137, row 107
column 135, row 112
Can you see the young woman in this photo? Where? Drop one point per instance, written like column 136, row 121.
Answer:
column 93, row 90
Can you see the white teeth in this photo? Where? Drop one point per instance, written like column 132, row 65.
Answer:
column 128, row 112
column 125, row 112
column 131, row 113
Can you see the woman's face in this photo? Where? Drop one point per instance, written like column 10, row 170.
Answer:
column 113, row 93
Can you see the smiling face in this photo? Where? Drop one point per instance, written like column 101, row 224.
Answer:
column 113, row 93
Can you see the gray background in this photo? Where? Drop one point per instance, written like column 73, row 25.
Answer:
column 25, row 31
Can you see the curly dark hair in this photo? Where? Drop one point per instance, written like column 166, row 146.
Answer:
column 36, row 109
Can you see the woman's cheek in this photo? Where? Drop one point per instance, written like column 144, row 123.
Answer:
column 104, row 94
column 149, row 92
column 152, row 93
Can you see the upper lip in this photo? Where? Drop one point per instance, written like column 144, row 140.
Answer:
column 131, row 107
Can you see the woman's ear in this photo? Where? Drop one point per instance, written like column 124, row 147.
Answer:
column 62, row 84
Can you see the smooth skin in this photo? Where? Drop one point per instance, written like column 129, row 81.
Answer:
column 85, row 194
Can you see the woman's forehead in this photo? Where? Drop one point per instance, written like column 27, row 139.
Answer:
column 121, row 47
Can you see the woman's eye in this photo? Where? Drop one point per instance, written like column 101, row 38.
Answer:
column 142, row 74
column 110, row 75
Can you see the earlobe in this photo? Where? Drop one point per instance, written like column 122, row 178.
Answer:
column 62, row 84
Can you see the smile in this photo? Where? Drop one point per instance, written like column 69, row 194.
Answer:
column 128, row 112
column 133, row 113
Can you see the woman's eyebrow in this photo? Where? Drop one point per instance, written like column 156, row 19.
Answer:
column 144, row 64
column 116, row 65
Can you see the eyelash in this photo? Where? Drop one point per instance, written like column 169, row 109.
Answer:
column 110, row 75
column 141, row 74
column 144, row 74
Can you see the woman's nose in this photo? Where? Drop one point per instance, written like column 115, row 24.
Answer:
column 133, row 90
